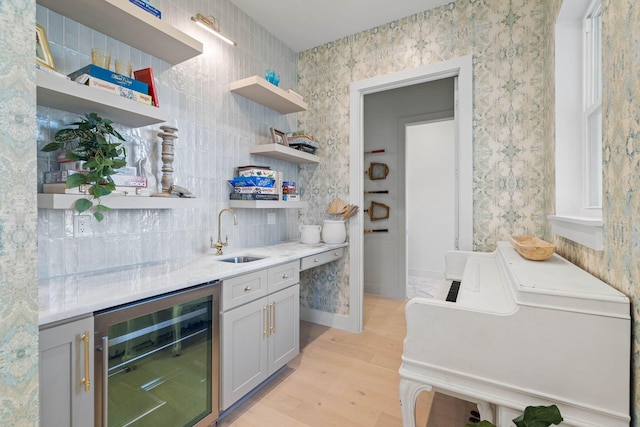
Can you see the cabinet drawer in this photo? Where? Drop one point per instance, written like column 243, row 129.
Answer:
column 284, row 275
column 243, row 289
column 321, row 258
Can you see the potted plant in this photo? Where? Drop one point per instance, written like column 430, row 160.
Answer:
column 91, row 143
column 533, row 416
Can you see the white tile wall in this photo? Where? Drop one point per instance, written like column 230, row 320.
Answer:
column 216, row 129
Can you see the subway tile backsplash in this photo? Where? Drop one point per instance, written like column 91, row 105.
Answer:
column 215, row 130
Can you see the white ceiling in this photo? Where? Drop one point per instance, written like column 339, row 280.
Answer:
column 304, row 24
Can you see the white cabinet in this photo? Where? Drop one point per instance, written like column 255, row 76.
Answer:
column 66, row 374
column 259, row 328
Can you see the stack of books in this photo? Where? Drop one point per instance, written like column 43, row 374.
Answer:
column 103, row 79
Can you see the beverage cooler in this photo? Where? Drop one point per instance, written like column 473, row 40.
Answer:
column 157, row 360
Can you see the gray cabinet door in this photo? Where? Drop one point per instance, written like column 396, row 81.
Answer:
column 64, row 400
column 243, row 364
column 284, row 340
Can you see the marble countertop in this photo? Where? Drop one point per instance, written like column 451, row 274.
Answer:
column 76, row 295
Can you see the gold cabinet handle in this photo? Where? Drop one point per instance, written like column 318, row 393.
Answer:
column 273, row 318
column 87, row 370
column 265, row 331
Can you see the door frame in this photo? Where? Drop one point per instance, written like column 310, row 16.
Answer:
column 462, row 68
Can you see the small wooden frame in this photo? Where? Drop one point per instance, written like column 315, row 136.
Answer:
column 43, row 51
column 279, row 137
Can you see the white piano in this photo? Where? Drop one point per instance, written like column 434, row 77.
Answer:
column 520, row 333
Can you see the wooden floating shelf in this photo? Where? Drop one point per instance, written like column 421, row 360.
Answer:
column 266, row 204
column 62, row 94
column 67, row 201
column 261, row 91
column 128, row 23
column 281, row 152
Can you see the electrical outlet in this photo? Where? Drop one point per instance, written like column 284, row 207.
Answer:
column 271, row 218
column 81, row 225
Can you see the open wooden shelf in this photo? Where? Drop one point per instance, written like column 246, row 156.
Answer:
column 281, row 152
column 261, row 91
column 266, row 204
column 67, row 201
column 57, row 92
column 128, row 23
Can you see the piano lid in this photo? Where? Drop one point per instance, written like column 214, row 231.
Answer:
column 557, row 283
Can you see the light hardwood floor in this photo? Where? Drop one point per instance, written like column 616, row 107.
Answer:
column 339, row 378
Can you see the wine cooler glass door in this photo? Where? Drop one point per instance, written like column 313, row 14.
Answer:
column 157, row 361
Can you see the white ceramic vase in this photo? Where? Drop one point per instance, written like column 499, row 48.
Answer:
column 334, row 232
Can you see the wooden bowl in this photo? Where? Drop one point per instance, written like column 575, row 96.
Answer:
column 532, row 248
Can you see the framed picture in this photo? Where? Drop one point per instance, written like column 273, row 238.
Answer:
column 279, row 137
column 43, row 52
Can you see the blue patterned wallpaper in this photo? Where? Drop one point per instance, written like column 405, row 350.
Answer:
column 18, row 285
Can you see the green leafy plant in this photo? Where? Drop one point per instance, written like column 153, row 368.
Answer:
column 533, row 416
column 91, row 143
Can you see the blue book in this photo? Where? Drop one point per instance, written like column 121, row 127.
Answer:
column 147, row 7
column 111, row 77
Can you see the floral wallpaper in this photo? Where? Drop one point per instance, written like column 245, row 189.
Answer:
column 18, row 284
column 513, row 133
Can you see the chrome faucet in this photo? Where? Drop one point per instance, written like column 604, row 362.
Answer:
column 218, row 245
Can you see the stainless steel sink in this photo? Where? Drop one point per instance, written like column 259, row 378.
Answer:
column 241, row 259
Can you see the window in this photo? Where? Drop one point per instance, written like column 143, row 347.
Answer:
column 592, row 96
column 579, row 123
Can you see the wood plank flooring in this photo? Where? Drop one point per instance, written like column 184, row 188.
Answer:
column 339, row 378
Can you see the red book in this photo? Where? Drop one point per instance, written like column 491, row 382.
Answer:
column 146, row 75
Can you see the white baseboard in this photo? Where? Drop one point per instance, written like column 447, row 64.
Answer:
column 323, row 318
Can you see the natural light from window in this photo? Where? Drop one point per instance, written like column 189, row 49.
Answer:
column 579, row 123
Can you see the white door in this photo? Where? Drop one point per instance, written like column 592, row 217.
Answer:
column 431, row 194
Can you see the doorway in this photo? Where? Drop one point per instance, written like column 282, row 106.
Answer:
column 461, row 68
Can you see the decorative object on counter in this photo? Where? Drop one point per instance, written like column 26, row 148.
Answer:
column 218, row 245
column 272, row 77
column 279, row 137
column 377, row 171
column 168, row 137
column 212, row 25
column 377, row 211
column 532, row 248
column 91, row 143
column 145, row 75
column 340, row 207
column 43, row 51
column 148, row 7
column 100, row 58
column 334, row 232
column 310, row 234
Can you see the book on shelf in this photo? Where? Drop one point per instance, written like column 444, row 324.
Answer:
column 240, row 196
column 145, row 75
column 119, row 90
column 108, row 76
column 52, row 72
column 61, row 188
column 148, row 7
